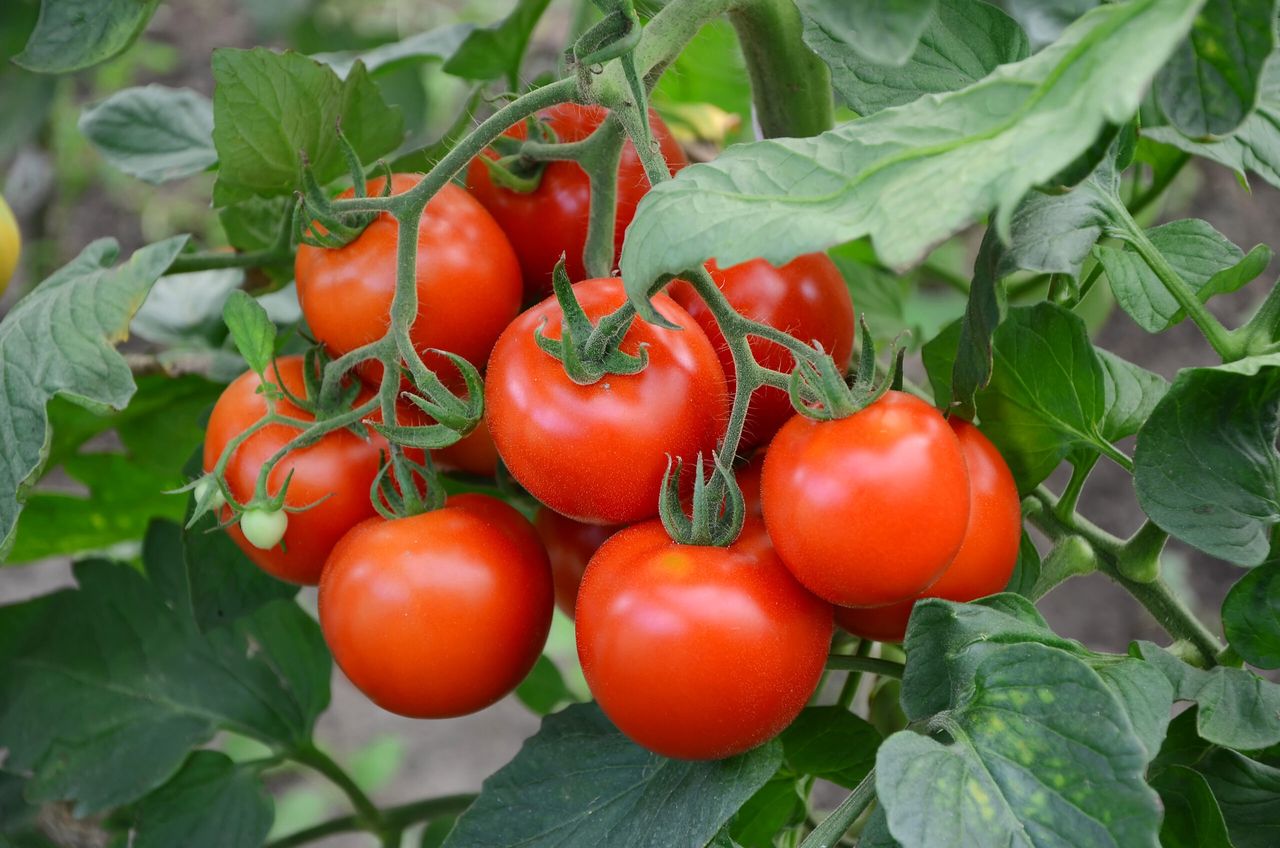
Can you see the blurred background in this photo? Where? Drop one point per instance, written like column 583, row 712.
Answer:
column 65, row 196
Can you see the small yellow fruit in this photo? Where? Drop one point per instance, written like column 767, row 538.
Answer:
column 10, row 245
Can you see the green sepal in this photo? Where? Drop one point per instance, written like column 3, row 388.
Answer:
column 718, row 508
column 588, row 352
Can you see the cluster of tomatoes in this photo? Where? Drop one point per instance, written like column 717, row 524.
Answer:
column 693, row 651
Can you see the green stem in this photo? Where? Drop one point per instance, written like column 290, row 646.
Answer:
column 1071, row 493
column 1263, row 328
column 367, row 815
column 397, row 818
column 1156, row 596
column 844, row 662
column 1224, row 344
column 849, row 690
column 836, row 825
column 790, row 85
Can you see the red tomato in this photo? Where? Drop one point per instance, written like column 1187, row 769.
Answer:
column 570, row 545
column 440, row 614
column 335, row 473
column 698, row 652
column 597, row 453
column 748, row 477
column 807, row 298
column 552, row 219
column 867, row 510
column 469, row 284
column 474, row 454
column 987, row 555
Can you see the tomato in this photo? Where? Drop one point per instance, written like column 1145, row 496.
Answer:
column 987, row 555
column 334, row 474
column 570, row 545
column 807, row 298
column 473, row 454
column 698, row 652
column 10, row 245
column 552, row 219
column 748, row 477
column 867, row 510
column 597, row 453
column 469, row 284
column 440, row 614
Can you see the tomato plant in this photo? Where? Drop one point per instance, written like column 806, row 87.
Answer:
column 307, row 364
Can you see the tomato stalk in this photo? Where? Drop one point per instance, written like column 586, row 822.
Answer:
column 845, row 662
column 830, row 831
column 790, row 85
column 849, row 690
column 398, row 817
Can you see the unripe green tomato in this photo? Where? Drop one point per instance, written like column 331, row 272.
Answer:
column 208, row 488
column 264, row 528
column 10, row 245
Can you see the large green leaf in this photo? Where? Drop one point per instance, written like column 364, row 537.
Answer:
column 1192, row 818
column 1041, row 753
column 1052, row 233
column 832, row 743
column 58, row 341
column 1207, row 470
column 107, row 688
column 1044, row 20
column 1236, row 708
column 987, row 144
column 210, row 803
column 982, row 315
column 267, row 107
column 498, row 51
column 154, row 133
column 75, row 34
column 1201, row 255
column 432, row 45
column 1248, row 793
column 579, row 783
column 1254, row 146
column 963, row 42
column 1210, row 84
column 1251, row 616
column 881, row 31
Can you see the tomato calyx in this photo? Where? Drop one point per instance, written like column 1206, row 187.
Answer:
column 589, row 352
column 404, row 487
column 514, row 169
column 316, row 222
column 455, row 417
column 718, row 508
column 819, row 391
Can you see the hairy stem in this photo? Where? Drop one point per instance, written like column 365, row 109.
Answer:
column 790, row 85
column 836, row 825
column 367, row 815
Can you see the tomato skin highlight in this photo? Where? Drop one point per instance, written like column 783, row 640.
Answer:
column 552, row 219
column 469, row 284
column 870, row 509
column 334, row 474
column 806, row 298
column 598, row 453
column 986, row 558
column 570, row 545
column 439, row 614
column 697, row 652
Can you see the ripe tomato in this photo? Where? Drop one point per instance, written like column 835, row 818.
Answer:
column 867, row 510
column 440, row 614
column 473, row 454
column 552, row 219
column 597, row 453
column 570, row 545
column 469, row 284
column 987, row 555
column 807, row 298
column 335, row 473
column 698, row 652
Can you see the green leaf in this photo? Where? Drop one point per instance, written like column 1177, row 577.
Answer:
column 885, row 32
column 1237, row 709
column 1201, row 255
column 1211, row 82
column 154, row 133
column 879, row 176
column 268, row 106
column 1044, row 20
column 58, row 341
column 75, row 34
column 1041, row 749
column 1254, row 146
column 250, row 328
column 1053, row 233
column 1131, row 395
column 105, row 726
column 1192, row 818
column 434, row 44
column 211, row 802
column 498, row 51
column 544, row 690
column 437, row 832
column 1248, row 793
column 962, row 43
column 775, row 806
column 939, row 358
column 831, row 743
column 1251, row 616
column 1207, row 470
column 982, row 315
column 579, row 783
